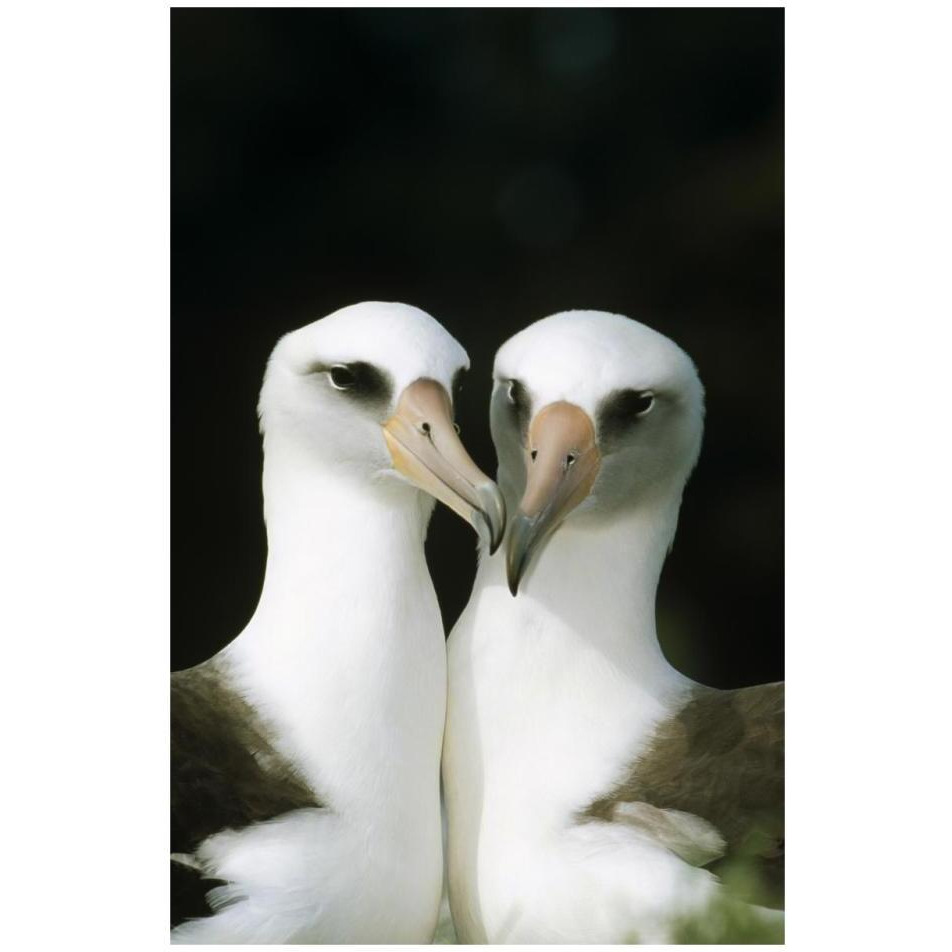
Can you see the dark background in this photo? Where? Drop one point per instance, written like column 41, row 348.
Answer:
column 491, row 167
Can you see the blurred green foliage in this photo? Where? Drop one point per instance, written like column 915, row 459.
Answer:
column 733, row 918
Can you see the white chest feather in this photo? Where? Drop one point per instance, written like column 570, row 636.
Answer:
column 531, row 697
column 544, row 717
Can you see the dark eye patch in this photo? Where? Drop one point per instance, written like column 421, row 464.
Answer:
column 357, row 380
column 621, row 410
column 517, row 399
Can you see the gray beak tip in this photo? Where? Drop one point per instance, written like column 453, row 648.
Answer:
column 521, row 544
column 493, row 511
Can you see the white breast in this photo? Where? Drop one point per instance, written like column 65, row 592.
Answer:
column 540, row 723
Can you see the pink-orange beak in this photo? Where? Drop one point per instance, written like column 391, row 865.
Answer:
column 425, row 447
column 562, row 463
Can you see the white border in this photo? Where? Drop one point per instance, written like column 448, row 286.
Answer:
column 85, row 473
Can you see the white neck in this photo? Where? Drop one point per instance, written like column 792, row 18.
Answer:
column 345, row 652
column 599, row 577
column 357, row 531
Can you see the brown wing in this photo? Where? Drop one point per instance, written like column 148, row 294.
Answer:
column 225, row 774
column 720, row 758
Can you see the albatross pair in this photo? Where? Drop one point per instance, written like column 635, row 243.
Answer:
column 587, row 783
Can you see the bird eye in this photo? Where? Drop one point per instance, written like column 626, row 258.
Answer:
column 642, row 402
column 516, row 393
column 343, row 377
column 630, row 403
column 518, row 405
column 361, row 381
column 623, row 409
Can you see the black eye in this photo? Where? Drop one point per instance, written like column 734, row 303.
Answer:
column 641, row 403
column 518, row 400
column 359, row 380
column 517, row 395
column 623, row 409
column 630, row 403
column 343, row 377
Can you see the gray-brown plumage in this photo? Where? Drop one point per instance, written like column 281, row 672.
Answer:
column 720, row 761
column 225, row 775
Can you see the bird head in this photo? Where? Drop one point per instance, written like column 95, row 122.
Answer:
column 592, row 413
column 367, row 393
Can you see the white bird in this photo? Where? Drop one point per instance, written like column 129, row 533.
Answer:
column 588, row 783
column 305, row 755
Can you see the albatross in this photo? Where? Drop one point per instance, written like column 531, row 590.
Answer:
column 594, row 793
column 305, row 755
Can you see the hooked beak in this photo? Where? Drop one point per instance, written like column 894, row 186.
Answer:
column 425, row 447
column 562, row 462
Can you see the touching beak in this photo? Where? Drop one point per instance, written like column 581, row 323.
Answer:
column 425, row 447
column 562, row 462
